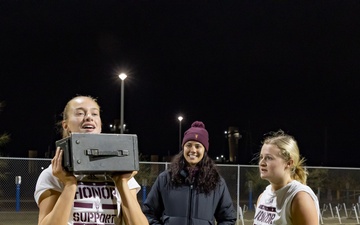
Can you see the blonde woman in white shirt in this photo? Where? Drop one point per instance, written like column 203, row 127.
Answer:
column 66, row 199
column 287, row 199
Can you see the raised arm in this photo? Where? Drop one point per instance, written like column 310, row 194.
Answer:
column 130, row 207
column 55, row 207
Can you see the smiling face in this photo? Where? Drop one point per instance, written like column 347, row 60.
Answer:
column 273, row 167
column 82, row 115
column 193, row 152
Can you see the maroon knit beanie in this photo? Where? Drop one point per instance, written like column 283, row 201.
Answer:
column 197, row 132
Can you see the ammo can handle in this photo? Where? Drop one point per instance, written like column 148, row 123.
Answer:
column 97, row 152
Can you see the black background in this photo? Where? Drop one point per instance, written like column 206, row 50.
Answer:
column 257, row 65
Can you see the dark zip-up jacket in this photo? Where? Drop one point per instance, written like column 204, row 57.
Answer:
column 166, row 205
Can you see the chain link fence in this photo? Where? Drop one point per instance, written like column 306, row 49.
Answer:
column 338, row 189
column 19, row 196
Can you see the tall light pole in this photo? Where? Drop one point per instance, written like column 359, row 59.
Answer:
column 180, row 118
column 122, row 76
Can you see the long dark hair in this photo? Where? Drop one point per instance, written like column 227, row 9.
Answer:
column 206, row 178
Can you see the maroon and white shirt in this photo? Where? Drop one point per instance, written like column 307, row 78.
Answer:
column 96, row 202
column 274, row 206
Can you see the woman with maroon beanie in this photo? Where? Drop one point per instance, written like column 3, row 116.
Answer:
column 191, row 192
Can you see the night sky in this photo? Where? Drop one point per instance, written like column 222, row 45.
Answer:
column 256, row 65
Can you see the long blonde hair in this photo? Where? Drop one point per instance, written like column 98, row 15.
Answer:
column 289, row 150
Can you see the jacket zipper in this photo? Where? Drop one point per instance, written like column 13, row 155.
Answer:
column 190, row 201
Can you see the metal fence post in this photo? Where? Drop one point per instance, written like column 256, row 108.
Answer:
column 250, row 194
column 17, row 183
column 144, row 184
